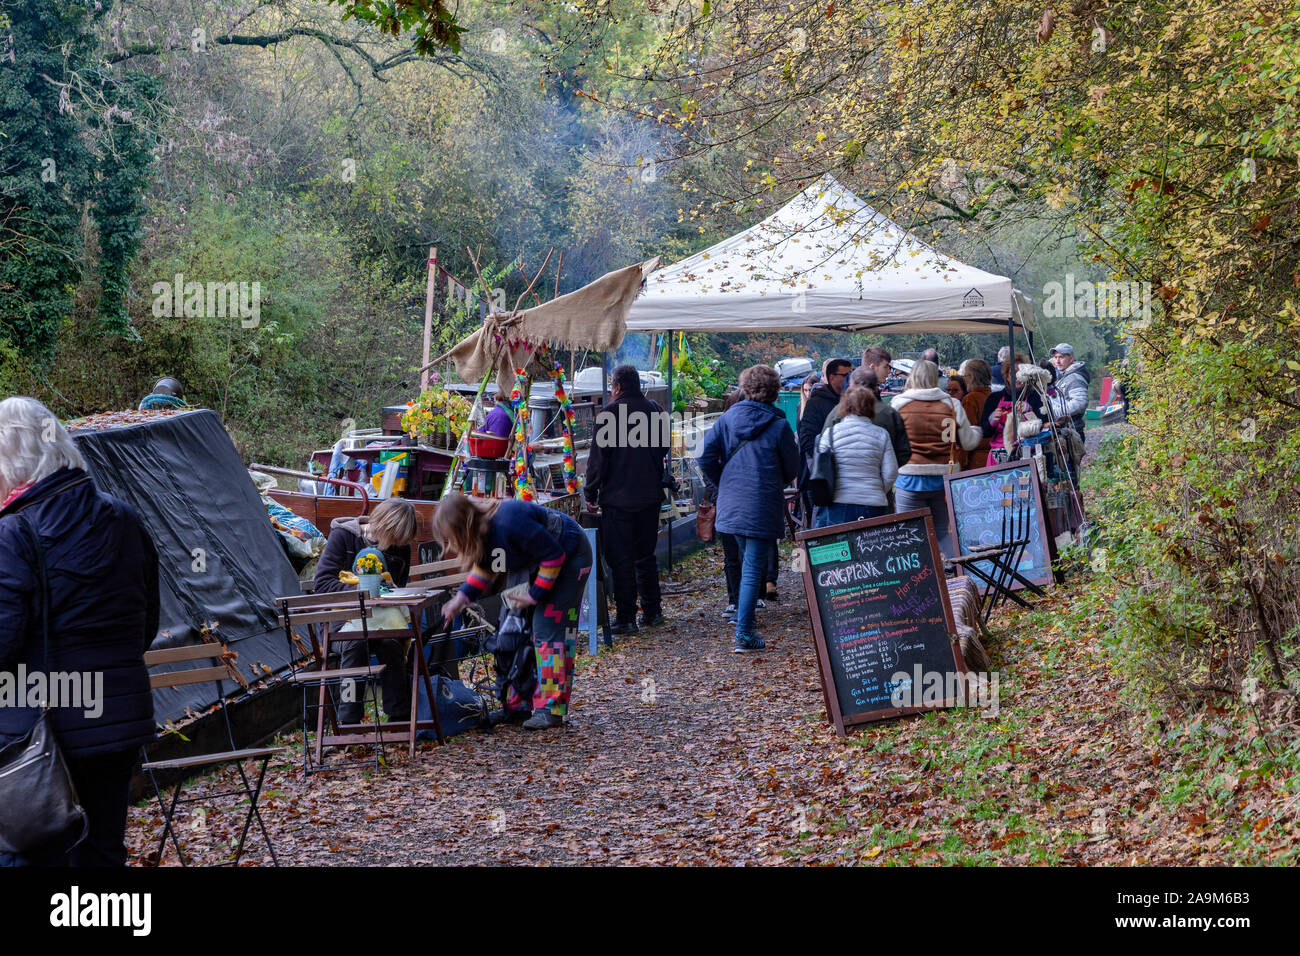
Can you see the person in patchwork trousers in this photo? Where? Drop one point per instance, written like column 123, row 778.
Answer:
column 549, row 550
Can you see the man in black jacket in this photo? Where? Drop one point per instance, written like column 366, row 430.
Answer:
column 625, row 474
column 823, row 398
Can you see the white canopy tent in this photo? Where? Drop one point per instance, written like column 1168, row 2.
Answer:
column 826, row 260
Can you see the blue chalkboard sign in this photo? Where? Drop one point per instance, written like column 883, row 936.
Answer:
column 978, row 512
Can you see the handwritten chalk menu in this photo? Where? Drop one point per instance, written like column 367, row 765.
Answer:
column 978, row 515
column 879, row 609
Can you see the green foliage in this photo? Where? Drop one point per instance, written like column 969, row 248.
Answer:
column 120, row 190
column 1199, row 514
column 70, row 135
column 432, row 24
column 694, row 374
column 334, row 340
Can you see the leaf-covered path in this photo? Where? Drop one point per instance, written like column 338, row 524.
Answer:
column 680, row 752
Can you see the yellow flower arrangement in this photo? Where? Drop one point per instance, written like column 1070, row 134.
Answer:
column 435, row 413
column 369, row 564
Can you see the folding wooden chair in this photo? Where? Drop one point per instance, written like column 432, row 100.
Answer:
column 215, row 672
column 433, row 569
column 309, row 611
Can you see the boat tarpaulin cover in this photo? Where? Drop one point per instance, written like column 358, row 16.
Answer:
column 219, row 560
column 826, row 260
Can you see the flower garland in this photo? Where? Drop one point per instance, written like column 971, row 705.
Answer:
column 521, row 469
column 566, row 420
column 522, row 466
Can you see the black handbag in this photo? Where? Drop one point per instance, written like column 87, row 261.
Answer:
column 38, row 804
column 821, row 476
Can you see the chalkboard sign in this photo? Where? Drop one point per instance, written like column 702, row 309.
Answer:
column 977, row 511
column 879, row 608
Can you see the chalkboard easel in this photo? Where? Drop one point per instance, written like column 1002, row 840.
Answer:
column 976, row 509
column 879, row 608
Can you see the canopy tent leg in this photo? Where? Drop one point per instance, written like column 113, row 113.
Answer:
column 1011, row 340
column 669, row 490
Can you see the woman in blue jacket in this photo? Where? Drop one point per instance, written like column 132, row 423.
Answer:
column 102, row 580
column 750, row 454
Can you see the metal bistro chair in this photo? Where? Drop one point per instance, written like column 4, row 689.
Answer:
column 440, row 640
column 310, row 610
column 997, row 565
column 216, row 672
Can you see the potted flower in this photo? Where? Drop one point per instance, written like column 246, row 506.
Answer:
column 369, row 569
column 437, row 418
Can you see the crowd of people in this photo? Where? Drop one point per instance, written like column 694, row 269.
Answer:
column 91, row 558
column 889, row 456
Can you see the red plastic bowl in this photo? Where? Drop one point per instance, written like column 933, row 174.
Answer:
column 483, row 445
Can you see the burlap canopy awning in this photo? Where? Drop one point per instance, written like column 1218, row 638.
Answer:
column 593, row 317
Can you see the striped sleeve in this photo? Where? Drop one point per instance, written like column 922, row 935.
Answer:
column 477, row 583
column 547, row 573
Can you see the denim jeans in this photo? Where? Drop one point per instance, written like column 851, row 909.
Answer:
column 937, row 502
column 843, row 513
column 753, row 568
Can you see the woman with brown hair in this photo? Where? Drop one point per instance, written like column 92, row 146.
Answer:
column 979, row 386
column 750, row 454
column 527, row 543
column 997, row 407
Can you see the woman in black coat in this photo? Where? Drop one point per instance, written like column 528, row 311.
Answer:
column 102, row 580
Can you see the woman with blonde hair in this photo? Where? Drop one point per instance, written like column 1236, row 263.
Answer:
column 545, row 557
column 937, row 428
column 390, row 529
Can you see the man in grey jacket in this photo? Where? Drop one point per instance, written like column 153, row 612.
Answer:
column 1072, row 379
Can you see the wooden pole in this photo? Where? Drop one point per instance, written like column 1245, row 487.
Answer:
column 428, row 314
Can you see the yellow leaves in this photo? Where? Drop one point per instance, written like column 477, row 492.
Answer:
column 1057, row 196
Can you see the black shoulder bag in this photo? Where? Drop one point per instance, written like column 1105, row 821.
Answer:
column 821, row 476
column 38, row 804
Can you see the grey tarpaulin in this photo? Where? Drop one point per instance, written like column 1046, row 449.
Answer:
column 219, row 560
